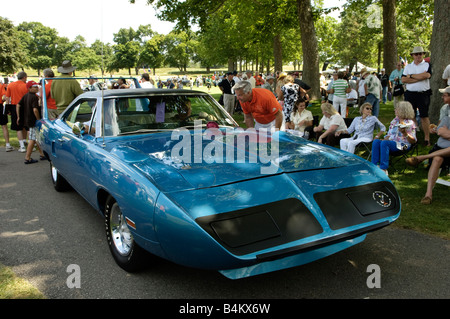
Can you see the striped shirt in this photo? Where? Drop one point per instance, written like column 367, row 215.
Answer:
column 339, row 87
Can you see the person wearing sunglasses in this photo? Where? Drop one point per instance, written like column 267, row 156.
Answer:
column 363, row 127
column 417, row 76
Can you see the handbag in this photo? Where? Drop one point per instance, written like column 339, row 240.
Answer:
column 398, row 89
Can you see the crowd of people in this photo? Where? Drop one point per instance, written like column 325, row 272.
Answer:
column 277, row 101
column 408, row 85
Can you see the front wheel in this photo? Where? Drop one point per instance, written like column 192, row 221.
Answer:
column 127, row 254
column 59, row 183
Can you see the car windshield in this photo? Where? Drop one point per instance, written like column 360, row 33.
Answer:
column 132, row 115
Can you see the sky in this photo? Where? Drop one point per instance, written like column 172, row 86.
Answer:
column 92, row 19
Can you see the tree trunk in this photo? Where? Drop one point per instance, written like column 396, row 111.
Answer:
column 278, row 53
column 309, row 45
column 389, row 36
column 440, row 54
column 230, row 65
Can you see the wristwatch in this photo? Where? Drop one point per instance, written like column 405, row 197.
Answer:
column 411, row 76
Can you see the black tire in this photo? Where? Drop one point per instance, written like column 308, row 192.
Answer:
column 127, row 254
column 59, row 183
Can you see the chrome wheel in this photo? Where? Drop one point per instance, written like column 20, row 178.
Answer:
column 59, row 182
column 124, row 249
column 54, row 173
column 120, row 233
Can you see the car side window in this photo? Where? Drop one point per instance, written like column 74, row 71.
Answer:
column 80, row 112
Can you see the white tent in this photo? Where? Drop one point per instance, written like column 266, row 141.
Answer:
column 359, row 66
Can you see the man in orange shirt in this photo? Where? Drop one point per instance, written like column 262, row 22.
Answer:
column 16, row 90
column 52, row 110
column 261, row 108
column 4, row 116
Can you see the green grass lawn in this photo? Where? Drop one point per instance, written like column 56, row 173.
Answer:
column 13, row 287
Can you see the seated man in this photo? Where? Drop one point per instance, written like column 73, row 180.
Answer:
column 439, row 156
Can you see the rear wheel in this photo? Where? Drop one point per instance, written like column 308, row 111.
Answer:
column 127, row 254
column 59, row 183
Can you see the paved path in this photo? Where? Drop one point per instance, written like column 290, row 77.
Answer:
column 43, row 232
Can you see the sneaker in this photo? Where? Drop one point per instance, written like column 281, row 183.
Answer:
column 22, row 150
column 9, row 148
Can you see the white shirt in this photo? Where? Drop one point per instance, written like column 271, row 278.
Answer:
column 335, row 119
column 352, row 95
column 252, row 82
column 361, row 90
column 446, row 74
column 146, row 85
column 413, row 68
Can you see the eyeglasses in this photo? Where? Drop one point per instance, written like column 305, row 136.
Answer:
column 418, row 53
column 369, row 108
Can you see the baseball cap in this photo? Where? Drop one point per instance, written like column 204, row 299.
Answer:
column 446, row 90
column 31, row 83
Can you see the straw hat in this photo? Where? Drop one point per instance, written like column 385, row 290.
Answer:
column 364, row 71
column 282, row 75
column 418, row 50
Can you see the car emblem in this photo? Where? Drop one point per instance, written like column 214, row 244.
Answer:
column 382, row 199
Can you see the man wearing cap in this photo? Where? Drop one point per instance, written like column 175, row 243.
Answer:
column 94, row 85
column 28, row 112
column 269, row 84
column 66, row 89
column 14, row 94
column 226, row 86
column 261, row 108
column 445, row 109
column 417, row 76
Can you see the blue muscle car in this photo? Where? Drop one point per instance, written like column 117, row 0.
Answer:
column 174, row 176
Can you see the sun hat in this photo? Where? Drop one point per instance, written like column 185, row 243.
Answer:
column 446, row 90
column 282, row 75
column 364, row 71
column 418, row 50
column 66, row 67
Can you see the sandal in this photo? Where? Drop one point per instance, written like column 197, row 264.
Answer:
column 43, row 158
column 426, row 200
column 30, row 161
column 412, row 161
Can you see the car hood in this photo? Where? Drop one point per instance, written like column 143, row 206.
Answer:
column 189, row 160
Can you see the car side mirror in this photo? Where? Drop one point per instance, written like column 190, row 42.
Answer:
column 77, row 129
